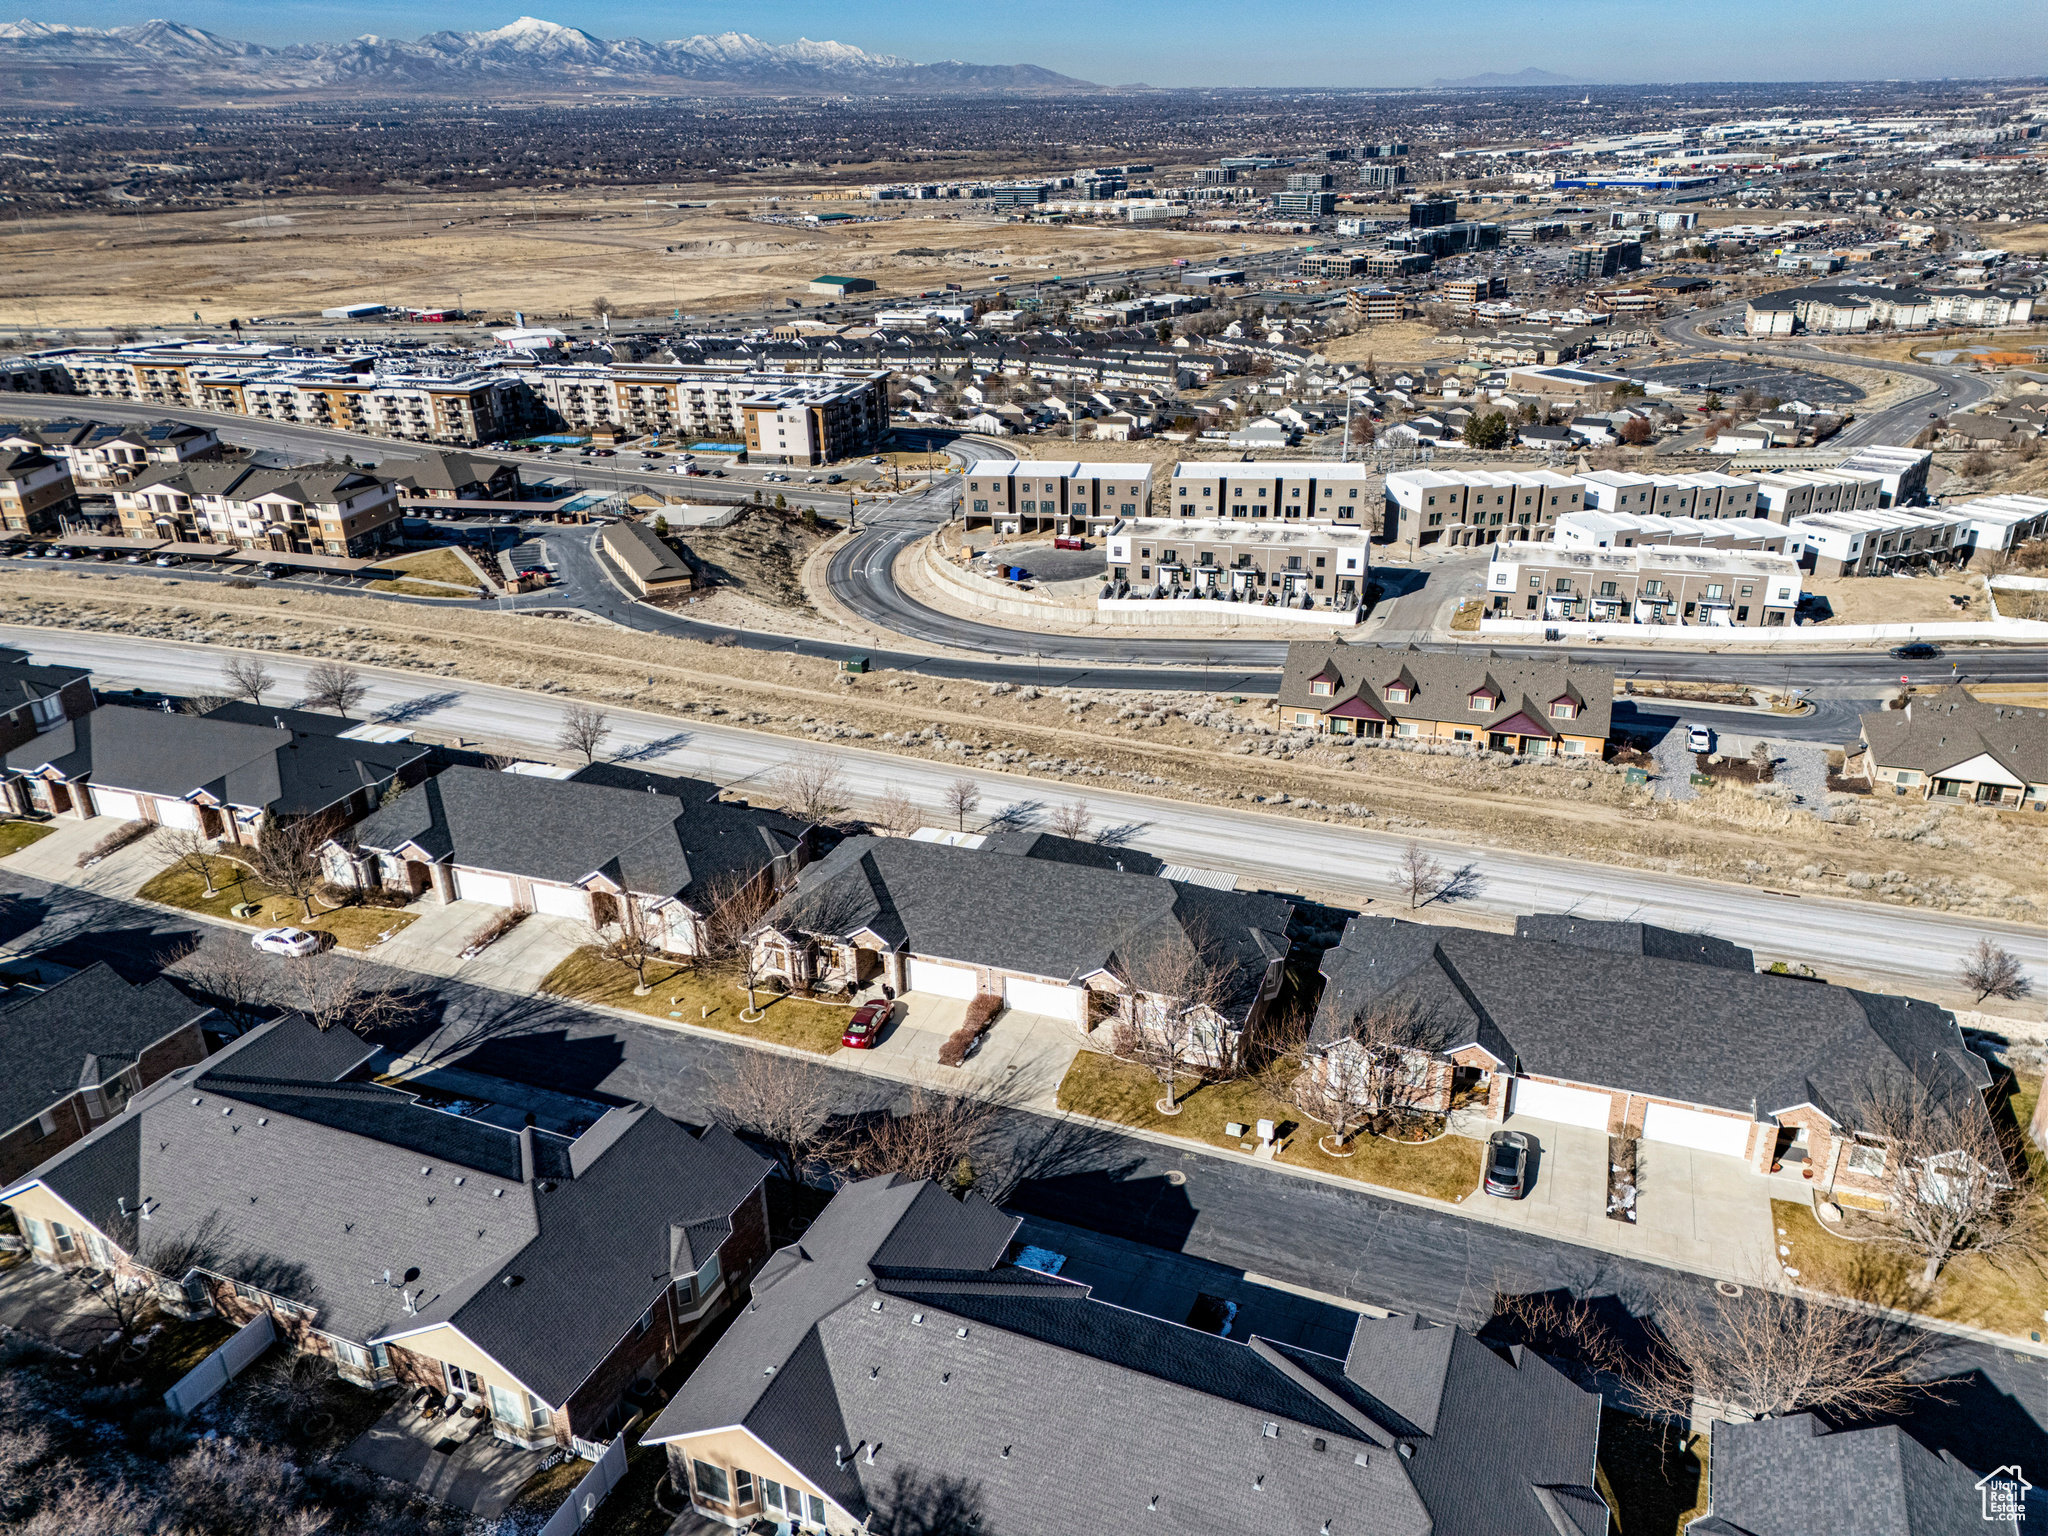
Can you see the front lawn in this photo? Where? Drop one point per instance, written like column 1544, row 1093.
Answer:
column 1107, row 1089
column 709, row 996
column 428, row 573
column 352, row 927
column 17, row 835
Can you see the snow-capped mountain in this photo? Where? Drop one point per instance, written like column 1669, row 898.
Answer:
column 172, row 57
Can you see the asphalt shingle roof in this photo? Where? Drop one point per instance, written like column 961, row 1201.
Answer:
column 1696, row 1030
column 1006, row 1389
column 79, row 1032
column 1442, row 684
column 1937, row 731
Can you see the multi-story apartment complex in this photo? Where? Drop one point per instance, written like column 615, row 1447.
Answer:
column 1471, row 506
column 103, row 454
column 35, row 490
column 1862, row 307
column 802, row 418
column 1703, row 495
column 319, row 509
column 1786, row 494
column 1626, row 530
column 1901, row 472
column 1655, row 585
column 1245, row 561
column 1313, row 489
column 1878, row 541
column 1057, row 496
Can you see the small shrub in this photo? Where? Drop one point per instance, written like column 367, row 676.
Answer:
column 499, row 926
column 980, row 1014
column 128, row 832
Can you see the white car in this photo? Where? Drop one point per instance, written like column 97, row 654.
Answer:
column 291, row 942
column 1699, row 739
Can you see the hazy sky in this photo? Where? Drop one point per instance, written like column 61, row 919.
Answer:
column 1227, row 42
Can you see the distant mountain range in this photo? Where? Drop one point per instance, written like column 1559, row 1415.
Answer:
column 171, row 59
column 1519, row 78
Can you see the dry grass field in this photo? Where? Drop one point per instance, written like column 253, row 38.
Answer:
column 549, row 256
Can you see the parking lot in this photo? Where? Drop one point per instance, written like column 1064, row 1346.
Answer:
column 1732, row 378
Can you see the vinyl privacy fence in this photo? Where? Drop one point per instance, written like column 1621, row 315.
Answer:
column 577, row 1509
column 234, row 1356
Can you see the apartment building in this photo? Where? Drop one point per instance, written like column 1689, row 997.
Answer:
column 1878, row 541
column 1535, row 705
column 1626, row 530
column 317, row 509
column 1056, row 496
column 1644, row 585
column 794, row 418
column 102, row 454
column 1465, row 507
column 36, row 490
column 1705, row 495
column 1901, row 472
column 2002, row 523
column 816, row 421
column 1326, row 562
column 1786, row 494
column 1310, row 489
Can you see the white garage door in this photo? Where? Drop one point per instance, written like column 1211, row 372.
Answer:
column 495, row 889
column 1728, row 1134
column 1567, row 1106
column 1043, row 997
column 944, row 980
column 110, row 802
column 561, row 901
column 178, row 813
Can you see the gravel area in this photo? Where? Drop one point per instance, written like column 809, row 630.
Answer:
column 1675, row 767
column 1803, row 768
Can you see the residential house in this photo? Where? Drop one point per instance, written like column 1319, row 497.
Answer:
column 1678, row 1040
column 1648, row 584
column 1531, row 705
column 892, row 1364
column 456, row 477
column 223, row 777
column 1795, row 1476
column 36, row 490
column 76, row 1052
column 655, row 567
column 532, row 1274
column 34, row 699
column 1050, row 925
column 1469, row 507
column 1326, row 563
column 611, row 845
column 1946, row 745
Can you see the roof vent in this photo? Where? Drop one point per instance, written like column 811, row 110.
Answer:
column 874, row 1371
column 458, row 1179
column 917, row 1319
column 1272, row 1431
column 1319, row 1443
column 858, row 1284
column 876, row 1304
column 945, row 1377
column 511, row 1280
column 497, row 1194
column 961, row 1334
column 1006, row 1453
column 227, row 1109
column 1259, row 1483
column 767, row 1370
column 263, row 1119
column 1407, row 1451
column 1153, row 1507
column 426, row 1170
column 195, row 1103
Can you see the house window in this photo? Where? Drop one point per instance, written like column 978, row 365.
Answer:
column 1715, row 591
column 814, row 1509
column 538, row 1412
column 1866, row 1159
column 1480, row 701
column 742, row 1488
column 1397, row 695
column 1319, row 686
column 1300, row 717
column 771, row 1494
column 711, row 1481
column 981, row 506
column 35, row 1234
column 647, row 1319
column 505, row 1407
column 1564, row 709
column 1653, row 589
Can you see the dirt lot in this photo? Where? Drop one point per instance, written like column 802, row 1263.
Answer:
column 760, row 557
column 1901, row 599
column 1405, row 341
column 1903, row 853
column 549, row 256
column 1906, row 348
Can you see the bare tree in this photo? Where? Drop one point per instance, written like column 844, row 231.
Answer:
column 628, row 941
column 935, row 1135
column 287, row 855
column 961, row 797
column 1953, row 1181
column 247, row 678
column 896, row 814
column 196, row 853
column 1070, row 820
column 584, row 729
column 812, row 789
column 331, row 990
column 735, row 904
column 1381, row 1071
column 1760, row 756
column 1770, row 1353
column 1419, row 877
column 335, row 687
column 203, row 703
column 234, row 979
column 785, row 1102
column 600, row 307
column 1991, row 971
column 290, row 1385
column 1175, row 1020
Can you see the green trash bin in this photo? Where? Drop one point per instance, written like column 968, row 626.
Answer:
column 854, row 664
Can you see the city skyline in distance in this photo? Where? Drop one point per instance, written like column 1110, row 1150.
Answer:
column 1206, row 44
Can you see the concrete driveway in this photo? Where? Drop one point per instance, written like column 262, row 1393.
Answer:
column 442, row 930
column 474, row 1472
column 1698, row 1210
column 1025, row 1055
column 121, row 873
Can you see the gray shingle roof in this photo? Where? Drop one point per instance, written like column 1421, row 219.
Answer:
column 1939, row 730
column 23, row 682
column 1792, row 1477
column 605, row 820
column 313, row 1187
column 1018, row 1392
column 1635, row 939
column 291, row 772
column 1694, row 1030
column 1042, row 917
column 44, row 1037
column 1443, row 682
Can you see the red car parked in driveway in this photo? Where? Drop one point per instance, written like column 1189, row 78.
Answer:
column 864, row 1029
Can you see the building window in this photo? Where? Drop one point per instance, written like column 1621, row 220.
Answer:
column 742, row 1488
column 1564, row 709
column 1479, row 701
column 981, row 506
column 1866, row 1159
column 1319, row 686
column 711, row 1481
column 814, row 1509
column 505, row 1407
column 33, row 1229
column 1397, row 694
column 771, row 1494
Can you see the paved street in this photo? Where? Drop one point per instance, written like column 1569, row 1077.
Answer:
column 1242, row 1215
column 1276, row 852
